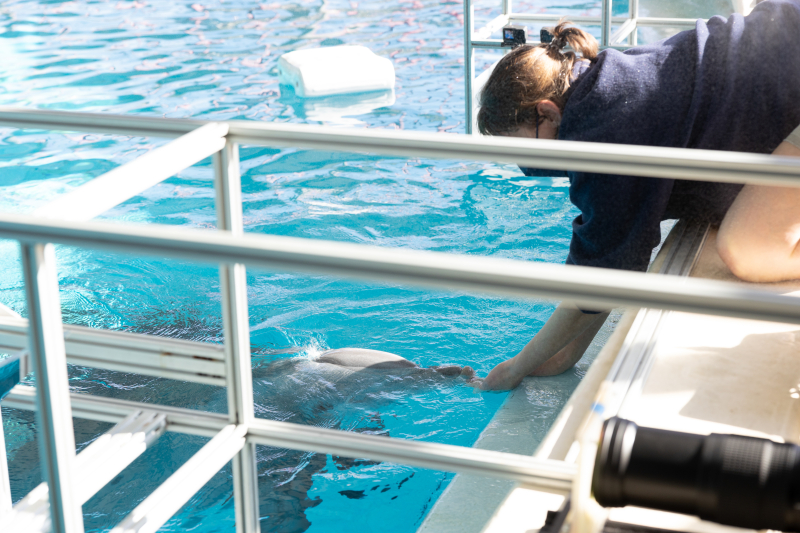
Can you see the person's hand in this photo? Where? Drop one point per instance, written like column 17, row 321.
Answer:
column 502, row 377
column 465, row 372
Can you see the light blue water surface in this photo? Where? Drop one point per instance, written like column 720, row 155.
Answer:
column 216, row 60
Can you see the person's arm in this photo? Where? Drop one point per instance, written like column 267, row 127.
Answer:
column 759, row 239
column 558, row 345
column 618, row 227
column 572, row 352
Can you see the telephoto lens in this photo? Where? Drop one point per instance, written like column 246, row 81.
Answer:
column 729, row 479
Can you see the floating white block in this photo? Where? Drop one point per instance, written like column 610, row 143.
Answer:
column 341, row 110
column 335, row 70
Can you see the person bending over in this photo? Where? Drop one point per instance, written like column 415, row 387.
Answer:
column 726, row 85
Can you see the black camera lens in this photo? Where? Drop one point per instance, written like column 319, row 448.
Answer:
column 729, row 479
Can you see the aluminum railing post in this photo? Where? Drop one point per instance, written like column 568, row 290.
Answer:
column 233, row 287
column 469, row 64
column 633, row 38
column 605, row 22
column 507, row 7
column 49, row 362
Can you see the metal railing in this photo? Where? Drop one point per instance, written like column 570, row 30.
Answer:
column 626, row 31
column 236, row 434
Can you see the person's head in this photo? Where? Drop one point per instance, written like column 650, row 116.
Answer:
column 527, row 89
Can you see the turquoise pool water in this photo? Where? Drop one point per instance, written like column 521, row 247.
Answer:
column 216, row 60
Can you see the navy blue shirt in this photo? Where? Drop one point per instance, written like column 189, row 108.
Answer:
column 726, row 85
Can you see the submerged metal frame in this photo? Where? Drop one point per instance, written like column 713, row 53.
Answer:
column 96, row 465
column 233, row 288
column 49, row 361
column 236, row 434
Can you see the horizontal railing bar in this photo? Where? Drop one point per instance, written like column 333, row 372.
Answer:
column 129, row 352
column 124, row 182
column 114, row 353
column 128, row 125
column 545, row 17
column 643, row 21
column 152, row 371
column 492, row 44
column 441, row 271
column 491, row 26
column 671, row 22
column 113, row 411
column 553, row 476
column 648, row 161
column 497, row 44
column 153, row 360
column 140, row 342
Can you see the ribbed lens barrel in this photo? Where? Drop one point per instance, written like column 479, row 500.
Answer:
column 729, row 479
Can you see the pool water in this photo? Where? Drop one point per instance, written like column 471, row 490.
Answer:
column 217, row 60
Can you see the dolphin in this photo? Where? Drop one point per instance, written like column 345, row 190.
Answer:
column 365, row 359
column 343, row 389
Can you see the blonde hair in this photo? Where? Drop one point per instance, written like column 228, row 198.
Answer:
column 529, row 74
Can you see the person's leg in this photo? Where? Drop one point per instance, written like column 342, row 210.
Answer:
column 572, row 352
column 759, row 239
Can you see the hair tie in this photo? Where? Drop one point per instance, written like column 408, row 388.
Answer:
column 558, row 43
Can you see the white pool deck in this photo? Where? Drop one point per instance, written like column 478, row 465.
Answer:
column 707, row 375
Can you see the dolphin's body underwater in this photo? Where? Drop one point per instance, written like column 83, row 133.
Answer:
column 346, row 389
column 364, row 359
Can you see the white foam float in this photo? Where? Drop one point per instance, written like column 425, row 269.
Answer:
column 342, row 110
column 335, row 70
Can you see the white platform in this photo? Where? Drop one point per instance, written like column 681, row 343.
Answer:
column 708, row 374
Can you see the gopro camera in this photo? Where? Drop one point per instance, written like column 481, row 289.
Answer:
column 545, row 36
column 514, row 35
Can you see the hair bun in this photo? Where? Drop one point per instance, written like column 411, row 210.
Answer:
column 564, row 34
column 558, row 43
